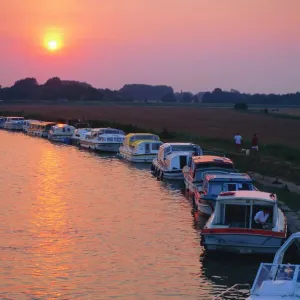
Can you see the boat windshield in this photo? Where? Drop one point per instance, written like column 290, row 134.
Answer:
column 111, row 131
column 149, row 137
column 217, row 165
column 188, row 148
column 277, row 280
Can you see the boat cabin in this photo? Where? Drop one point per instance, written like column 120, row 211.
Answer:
column 237, row 209
column 198, row 165
column 61, row 131
column 14, row 123
column 176, row 155
column 214, row 184
column 40, row 128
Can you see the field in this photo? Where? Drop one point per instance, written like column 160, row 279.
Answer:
column 202, row 122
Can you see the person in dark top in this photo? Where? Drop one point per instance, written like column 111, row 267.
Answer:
column 254, row 147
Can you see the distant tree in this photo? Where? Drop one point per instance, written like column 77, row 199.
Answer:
column 168, row 98
column 241, row 106
column 142, row 91
column 217, row 90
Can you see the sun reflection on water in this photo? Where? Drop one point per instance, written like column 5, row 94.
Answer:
column 52, row 230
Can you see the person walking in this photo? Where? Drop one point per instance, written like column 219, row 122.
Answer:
column 238, row 142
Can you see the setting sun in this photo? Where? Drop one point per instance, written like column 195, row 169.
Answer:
column 52, row 45
column 53, row 40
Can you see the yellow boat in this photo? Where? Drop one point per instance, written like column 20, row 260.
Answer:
column 140, row 147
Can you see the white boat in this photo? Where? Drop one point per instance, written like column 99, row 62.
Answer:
column 2, row 121
column 273, row 281
column 140, row 147
column 172, row 158
column 199, row 165
column 79, row 134
column 231, row 228
column 26, row 124
column 61, row 133
column 40, row 128
column 103, row 139
column 205, row 197
column 14, row 123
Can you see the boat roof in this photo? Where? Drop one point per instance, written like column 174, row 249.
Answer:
column 228, row 177
column 60, row 125
column 41, row 123
column 251, row 195
column 178, row 144
column 138, row 142
column 138, row 134
column 210, row 158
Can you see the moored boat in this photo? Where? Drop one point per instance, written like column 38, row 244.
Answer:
column 40, row 128
column 273, row 281
column 140, row 147
column 199, row 165
column 103, row 139
column 232, row 226
column 172, row 158
column 61, row 133
column 79, row 134
column 26, row 124
column 204, row 199
column 14, row 123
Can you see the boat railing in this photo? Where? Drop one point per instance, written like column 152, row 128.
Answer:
column 236, row 292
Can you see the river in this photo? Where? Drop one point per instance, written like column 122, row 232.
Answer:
column 79, row 225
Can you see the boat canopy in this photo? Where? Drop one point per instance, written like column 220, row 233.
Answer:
column 132, row 137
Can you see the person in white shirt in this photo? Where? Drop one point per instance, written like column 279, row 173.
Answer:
column 238, row 142
column 261, row 217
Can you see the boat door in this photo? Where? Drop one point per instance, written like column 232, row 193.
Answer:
column 182, row 161
column 147, row 148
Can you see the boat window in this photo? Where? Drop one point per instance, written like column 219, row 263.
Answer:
column 110, row 139
column 215, row 165
column 188, row 148
column 215, row 188
column 144, row 137
column 285, row 272
column 155, row 146
column 237, row 216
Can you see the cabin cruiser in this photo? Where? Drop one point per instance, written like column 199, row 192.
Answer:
column 14, row 123
column 61, row 133
column 273, row 281
column 204, row 199
column 140, row 147
column 171, row 158
column 103, row 139
column 79, row 134
column 2, row 121
column 26, row 124
column 199, row 165
column 232, row 228
column 40, row 128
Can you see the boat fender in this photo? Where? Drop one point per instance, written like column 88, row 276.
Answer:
column 161, row 176
column 195, row 207
column 152, row 167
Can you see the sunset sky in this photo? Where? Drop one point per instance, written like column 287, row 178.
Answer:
column 196, row 45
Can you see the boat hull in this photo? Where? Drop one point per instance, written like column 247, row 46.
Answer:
column 167, row 174
column 143, row 158
column 243, row 243
column 17, row 127
column 59, row 138
column 102, row 147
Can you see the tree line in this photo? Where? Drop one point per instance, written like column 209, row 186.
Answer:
column 55, row 89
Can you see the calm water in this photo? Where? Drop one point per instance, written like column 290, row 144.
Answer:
column 77, row 225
